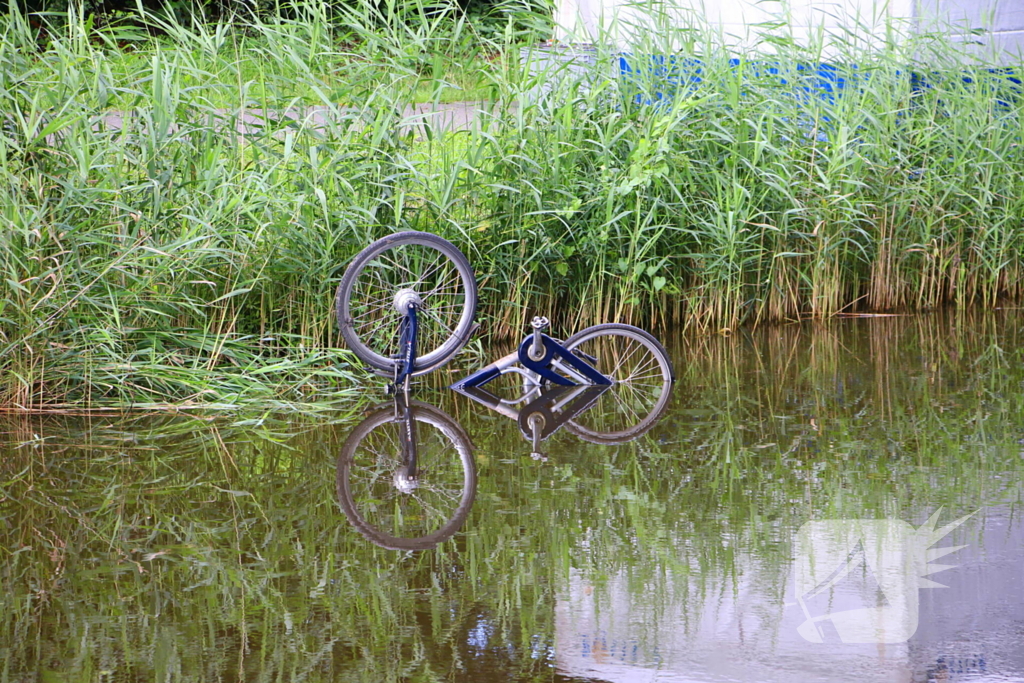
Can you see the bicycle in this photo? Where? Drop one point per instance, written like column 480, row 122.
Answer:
column 405, row 306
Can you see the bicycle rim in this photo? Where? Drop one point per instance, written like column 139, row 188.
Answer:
column 642, row 382
column 442, row 282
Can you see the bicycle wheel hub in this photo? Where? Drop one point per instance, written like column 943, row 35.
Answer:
column 405, row 298
column 403, row 482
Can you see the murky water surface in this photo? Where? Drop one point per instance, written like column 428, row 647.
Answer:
column 710, row 548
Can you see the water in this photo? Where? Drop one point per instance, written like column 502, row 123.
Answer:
column 176, row 548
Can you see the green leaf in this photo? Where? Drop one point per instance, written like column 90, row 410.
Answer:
column 233, row 293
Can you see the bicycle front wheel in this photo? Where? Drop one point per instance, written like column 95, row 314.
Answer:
column 404, row 267
column 642, row 376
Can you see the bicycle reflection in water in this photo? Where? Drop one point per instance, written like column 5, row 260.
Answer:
column 406, row 478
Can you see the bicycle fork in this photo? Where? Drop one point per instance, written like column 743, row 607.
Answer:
column 407, row 302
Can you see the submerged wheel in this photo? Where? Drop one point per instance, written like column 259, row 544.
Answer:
column 393, row 271
column 372, row 495
column 642, row 376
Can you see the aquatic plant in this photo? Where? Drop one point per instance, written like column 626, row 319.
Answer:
column 175, row 212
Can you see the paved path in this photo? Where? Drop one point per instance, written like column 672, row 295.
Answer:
column 447, row 117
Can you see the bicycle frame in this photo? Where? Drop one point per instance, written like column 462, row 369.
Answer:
column 554, row 357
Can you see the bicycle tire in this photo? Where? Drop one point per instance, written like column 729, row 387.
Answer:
column 438, row 273
column 642, row 376
column 362, row 500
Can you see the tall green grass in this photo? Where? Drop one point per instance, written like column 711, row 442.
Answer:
column 743, row 198
column 166, row 236
column 190, row 254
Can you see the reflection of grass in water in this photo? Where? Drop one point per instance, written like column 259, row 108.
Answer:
column 182, row 543
column 240, row 546
column 867, row 418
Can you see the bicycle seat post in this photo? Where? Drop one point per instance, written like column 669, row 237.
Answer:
column 539, row 324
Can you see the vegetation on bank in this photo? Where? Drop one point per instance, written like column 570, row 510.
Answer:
column 156, row 246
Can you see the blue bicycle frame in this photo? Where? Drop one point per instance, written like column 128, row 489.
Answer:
column 576, row 370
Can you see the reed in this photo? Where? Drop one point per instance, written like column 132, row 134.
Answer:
column 757, row 201
column 170, row 235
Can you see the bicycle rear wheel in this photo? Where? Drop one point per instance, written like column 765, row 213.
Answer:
column 406, row 266
column 642, row 377
column 412, row 517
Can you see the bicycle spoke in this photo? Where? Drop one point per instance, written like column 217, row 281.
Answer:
column 452, row 279
column 440, row 322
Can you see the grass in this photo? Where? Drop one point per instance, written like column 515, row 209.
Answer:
column 175, row 259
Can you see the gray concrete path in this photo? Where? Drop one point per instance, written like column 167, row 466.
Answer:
column 438, row 117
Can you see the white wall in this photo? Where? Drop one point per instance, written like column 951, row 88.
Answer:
column 1001, row 20
column 632, row 22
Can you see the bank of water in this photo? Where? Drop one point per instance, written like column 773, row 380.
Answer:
column 171, row 548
